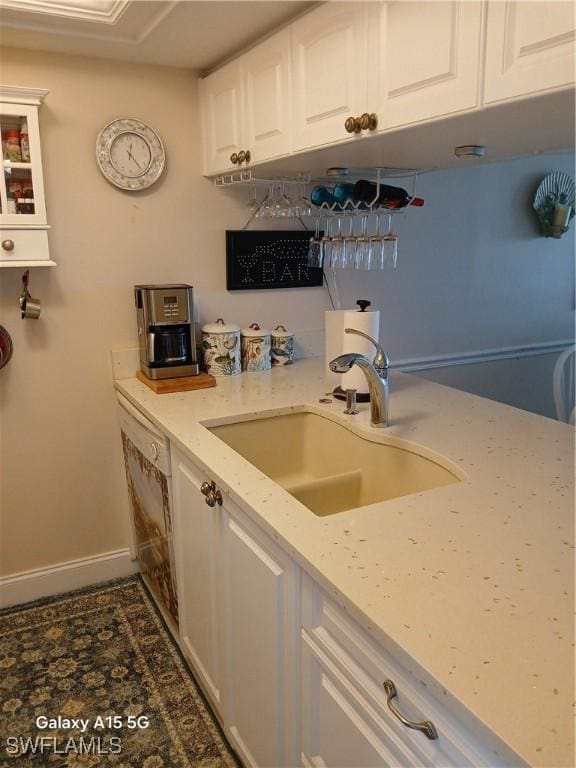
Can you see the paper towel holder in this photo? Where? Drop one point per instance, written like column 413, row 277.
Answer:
column 363, row 304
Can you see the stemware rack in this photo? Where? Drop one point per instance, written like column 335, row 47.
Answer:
column 346, row 233
column 247, row 179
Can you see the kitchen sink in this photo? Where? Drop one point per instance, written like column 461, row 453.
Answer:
column 330, row 468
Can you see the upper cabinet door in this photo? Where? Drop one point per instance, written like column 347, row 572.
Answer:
column 222, row 96
column 425, row 60
column 267, row 98
column 529, row 47
column 329, row 72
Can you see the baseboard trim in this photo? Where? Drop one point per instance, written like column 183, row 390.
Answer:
column 481, row 356
column 75, row 574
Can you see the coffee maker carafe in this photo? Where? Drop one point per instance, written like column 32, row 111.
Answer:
column 166, row 332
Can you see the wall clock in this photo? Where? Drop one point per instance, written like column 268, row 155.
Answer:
column 130, row 154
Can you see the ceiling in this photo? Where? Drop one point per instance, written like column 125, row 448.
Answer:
column 196, row 34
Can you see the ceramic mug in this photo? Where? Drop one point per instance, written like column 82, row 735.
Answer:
column 282, row 346
column 221, row 348
column 256, row 343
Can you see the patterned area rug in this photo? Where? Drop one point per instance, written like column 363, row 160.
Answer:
column 93, row 678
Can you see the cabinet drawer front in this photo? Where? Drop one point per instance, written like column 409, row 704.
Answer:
column 366, row 665
column 28, row 245
column 340, row 728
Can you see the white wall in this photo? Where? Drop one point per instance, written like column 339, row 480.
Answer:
column 63, row 494
column 473, row 271
column 473, row 274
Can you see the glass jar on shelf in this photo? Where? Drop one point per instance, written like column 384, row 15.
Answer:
column 11, row 144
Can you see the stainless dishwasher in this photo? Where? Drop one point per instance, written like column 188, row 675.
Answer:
column 148, row 471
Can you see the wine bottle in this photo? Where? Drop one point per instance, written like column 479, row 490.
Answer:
column 388, row 197
column 344, row 193
column 321, row 195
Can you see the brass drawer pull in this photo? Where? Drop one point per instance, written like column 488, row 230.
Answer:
column 243, row 156
column 368, row 122
column 352, row 125
column 425, row 726
column 7, row 245
column 212, row 495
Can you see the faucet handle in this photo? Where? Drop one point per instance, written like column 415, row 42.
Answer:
column 381, row 361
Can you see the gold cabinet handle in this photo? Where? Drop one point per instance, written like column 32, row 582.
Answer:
column 7, row 245
column 234, row 158
column 368, row 122
column 206, row 488
column 352, row 125
column 247, row 156
column 426, row 726
column 241, row 157
column 211, row 493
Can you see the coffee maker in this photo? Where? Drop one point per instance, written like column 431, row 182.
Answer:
column 166, row 332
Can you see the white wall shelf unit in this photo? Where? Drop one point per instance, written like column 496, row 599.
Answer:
column 23, row 220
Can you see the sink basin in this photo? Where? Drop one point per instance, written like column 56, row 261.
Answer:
column 328, row 467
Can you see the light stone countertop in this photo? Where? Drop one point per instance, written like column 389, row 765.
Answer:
column 474, row 580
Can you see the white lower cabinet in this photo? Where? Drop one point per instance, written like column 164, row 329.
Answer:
column 294, row 680
column 237, row 594
column 260, row 627
column 198, row 552
column 346, row 718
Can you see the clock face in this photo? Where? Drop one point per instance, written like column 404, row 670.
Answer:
column 130, row 154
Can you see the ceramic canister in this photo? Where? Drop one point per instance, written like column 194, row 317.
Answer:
column 282, row 346
column 256, row 344
column 221, row 348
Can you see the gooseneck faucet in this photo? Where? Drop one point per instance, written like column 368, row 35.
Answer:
column 376, row 375
column 381, row 362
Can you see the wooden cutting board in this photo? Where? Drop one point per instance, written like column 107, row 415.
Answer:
column 183, row 384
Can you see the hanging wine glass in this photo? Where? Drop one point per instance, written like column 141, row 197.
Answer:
column 389, row 246
column 253, row 204
column 349, row 246
column 362, row 246
column 337, row 246
column 265, row 209
column 282, row 207
column 303, row 204
column 375, row 256
column 315, row 255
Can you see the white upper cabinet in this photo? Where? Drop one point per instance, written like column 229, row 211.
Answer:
column 23, row 223
column 403, row 61
column 529, row 48
column 329, row 73
column 425, row 58
column 222, row 108
column 246, row 107
column 267, row 96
